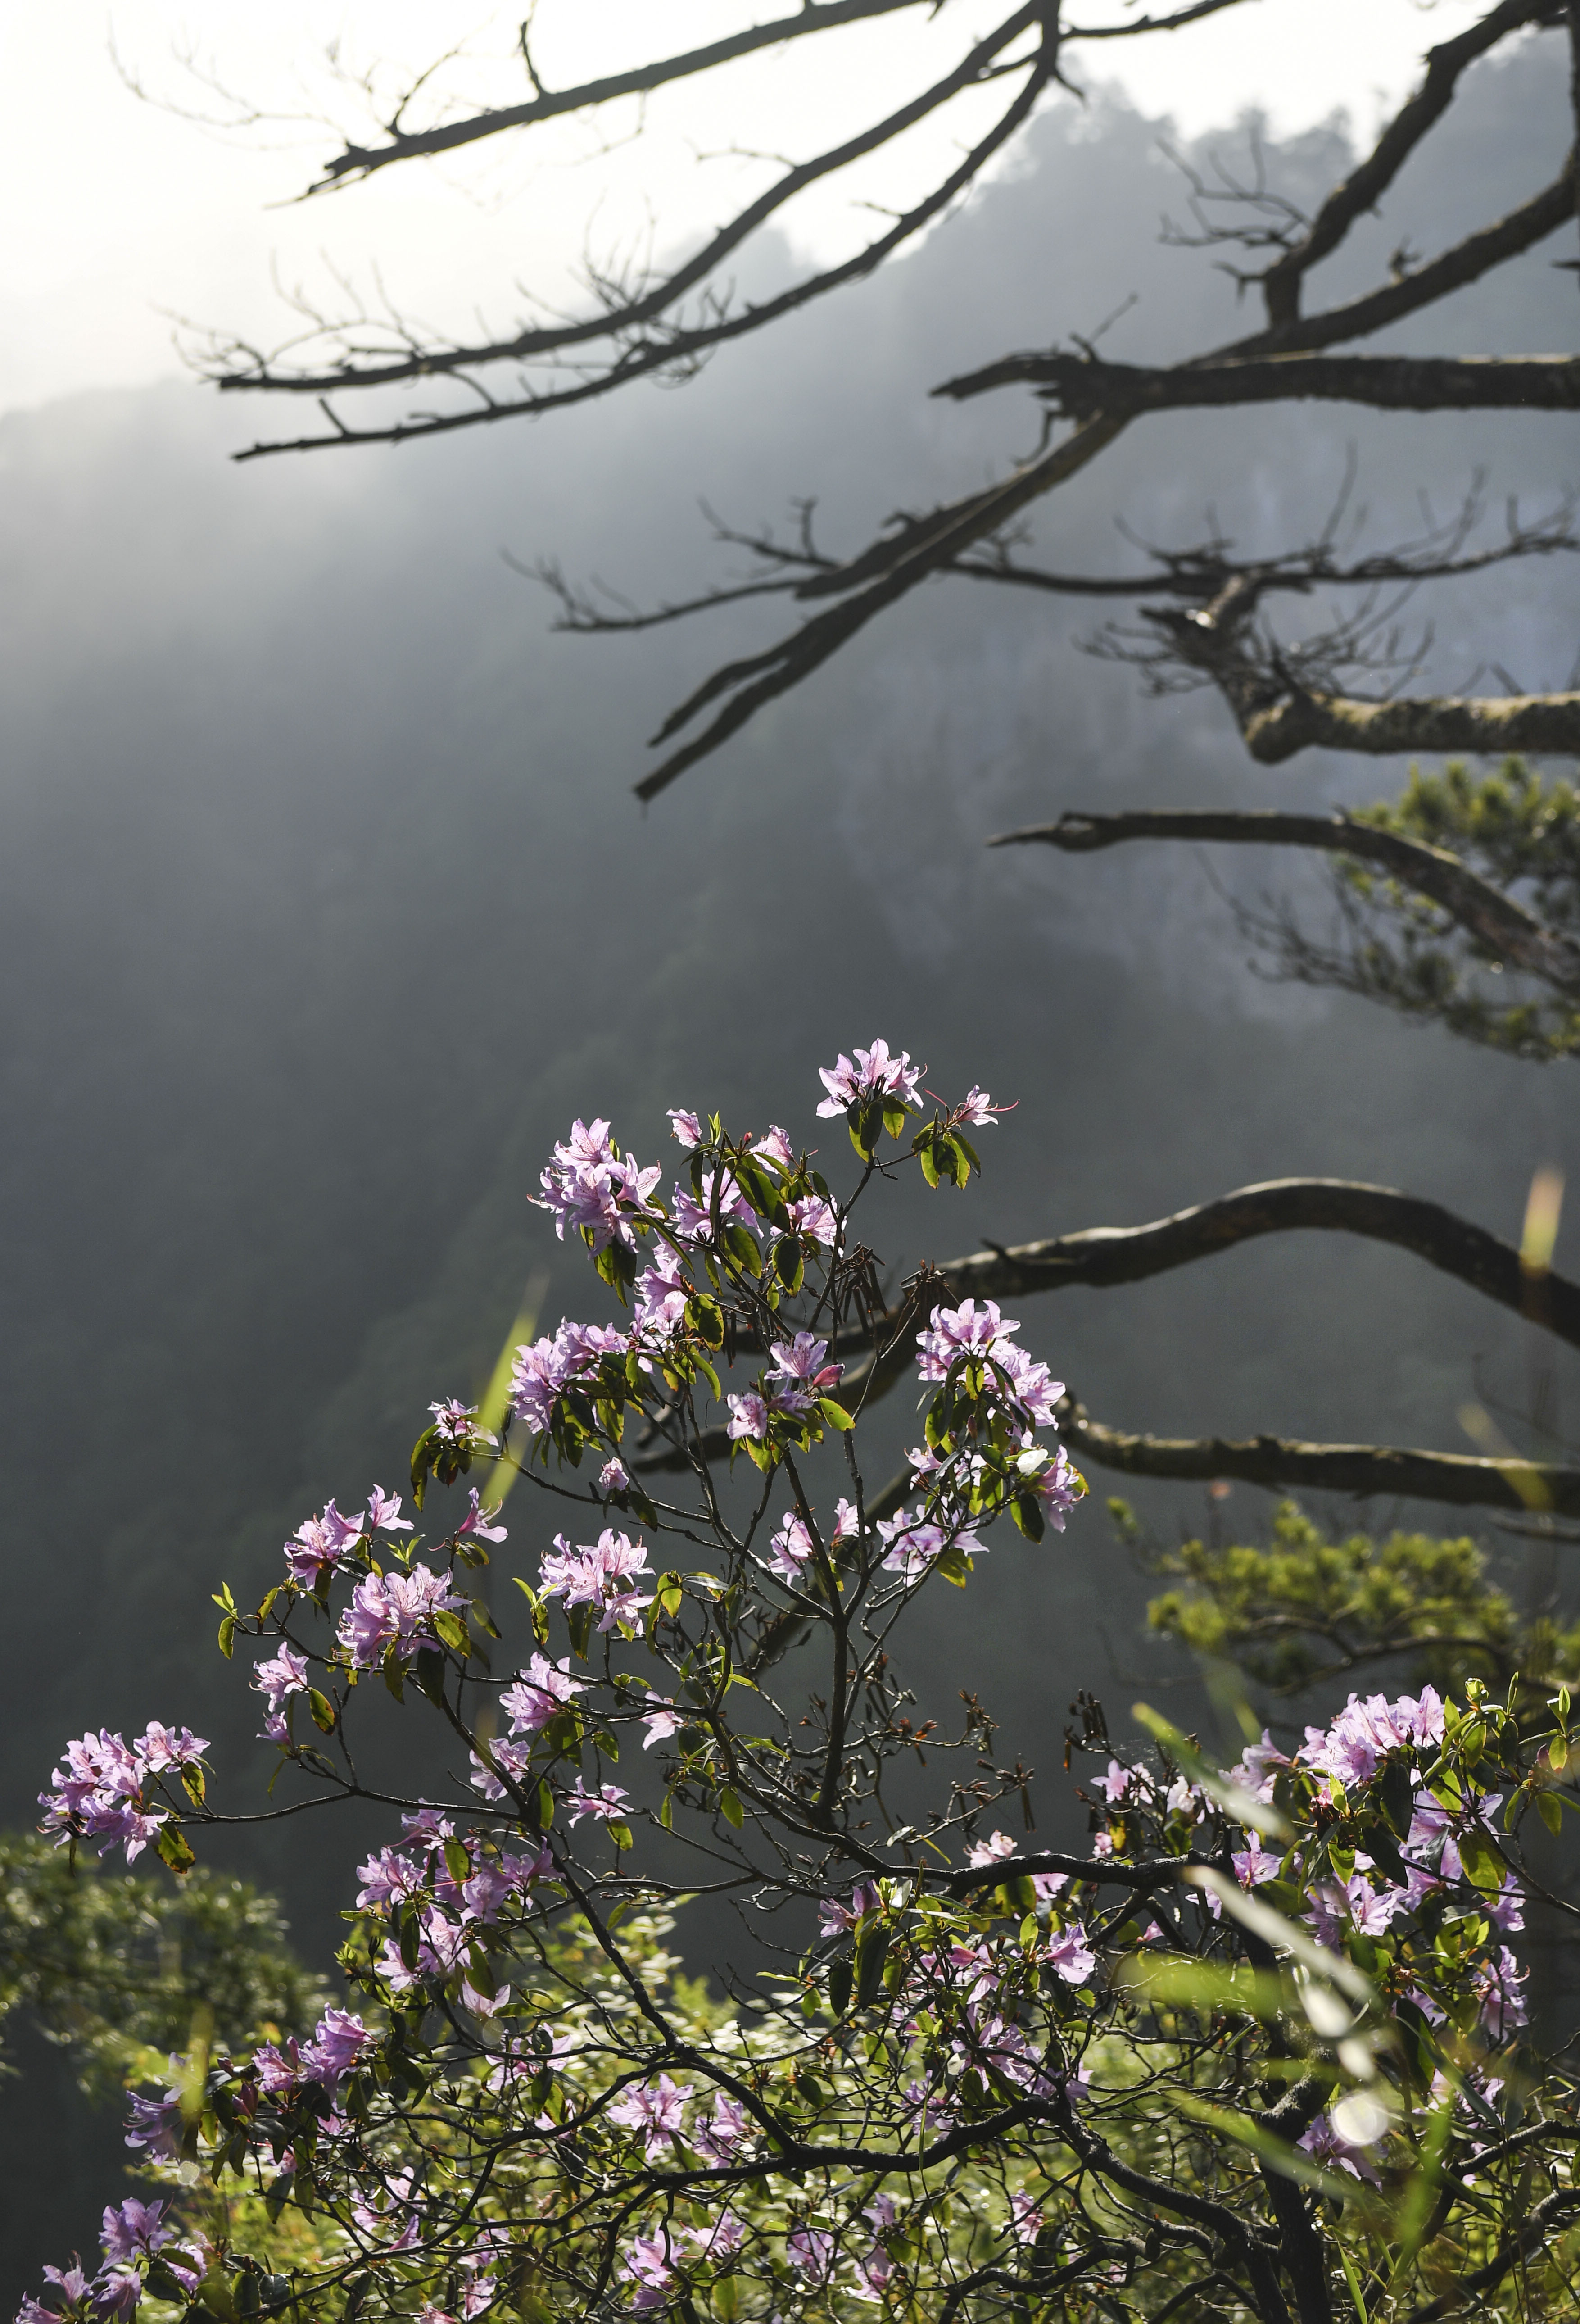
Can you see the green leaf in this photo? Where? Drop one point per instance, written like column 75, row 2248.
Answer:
column 730, row 1808
column 227, row 1637
column 741, row 1245
column 835, row 1414
column 1550, row 1812
column 173, row 1847
column 323, row 1711
column 1026, row 1511
column 871, row 1952
column 451, row 1630
column 192, row 1782
column 706, row 1318
column 1396, row 1796
column 1484, row 1867
column 839, row 1977
column 790, row 1262
column 458, row 1861
column 926, row 1156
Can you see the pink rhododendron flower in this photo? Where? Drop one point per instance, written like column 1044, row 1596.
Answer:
column 871, row 1073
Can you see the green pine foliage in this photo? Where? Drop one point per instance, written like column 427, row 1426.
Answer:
column 1305, row 1609
column 1518, row 829
column 115, row 1967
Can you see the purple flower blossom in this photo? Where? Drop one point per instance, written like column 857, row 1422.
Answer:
column 538, row 1693
column 811, row 2250
column 664, row 1720
column 802, row 1375
column 598, row 1575
column 387, row 1878
column 540, row 1373
column 476, row 1521
column 592, row 1187
column 162, row 1747
column 609, row 1803
column 749, row 1416
column 100, row 1791
column 790, row 1549
column 912, row 1545
column 1363, row 1734
column 835, row 1919
column 385, row 1512
column 1254, row 1863
column 394, row 1610
column 337, row 2043
column 645, row 2263
column 977, row 1109
column 656, row 2109
column 1116, row 1784
column 814, row 1219
column 1257, row 1771
column 999, row 1845
column 1070, row 1955
column 612, row 1477
column 456, row 1423
column 1497, row 1987
column 873, row 1073
column 684, row 1128
column 155, row 2125
column 135, row 2231
column 285, row 1673
column 726, row 2130
column 694, row 1213
column 319, row 1543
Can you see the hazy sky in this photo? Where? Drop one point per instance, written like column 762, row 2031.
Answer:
column 125, row 217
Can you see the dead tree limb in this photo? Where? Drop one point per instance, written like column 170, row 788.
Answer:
column 1361, row 1469
column 1074, row 386
column 1504, row 928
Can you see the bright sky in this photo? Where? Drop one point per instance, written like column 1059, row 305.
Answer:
column 124, row 216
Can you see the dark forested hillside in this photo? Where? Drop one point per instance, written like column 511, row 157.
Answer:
column 324, row 906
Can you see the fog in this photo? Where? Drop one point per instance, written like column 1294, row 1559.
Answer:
column 325, row 907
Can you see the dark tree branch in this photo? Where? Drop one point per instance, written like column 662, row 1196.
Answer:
column 1360, row 1470
column 1075, row 385
column 1453, row 270
column 1364, row 187
column 356, row 162
column 1502, row 926
column 637, row 314
column 924, row 550
column 447, row 137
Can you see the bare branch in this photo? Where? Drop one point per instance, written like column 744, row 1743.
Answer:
column 1364, row 187
column 1361, row 1469
column 926, row 549
column 1077, row 386
column 1481, row 907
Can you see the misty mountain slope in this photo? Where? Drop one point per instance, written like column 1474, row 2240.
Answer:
column 324, row 909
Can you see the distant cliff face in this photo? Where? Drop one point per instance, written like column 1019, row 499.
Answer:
column 324, row 906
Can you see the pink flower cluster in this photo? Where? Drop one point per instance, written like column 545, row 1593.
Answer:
column 592, row 1187
column 983, row 1335
column 394, row 1610
column 598, row 1575
column 871, row 1073
column 103, row 1791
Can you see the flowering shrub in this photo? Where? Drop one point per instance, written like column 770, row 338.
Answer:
column 1261, row 2045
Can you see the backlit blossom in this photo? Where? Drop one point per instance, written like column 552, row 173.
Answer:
column 1070, row 1955
column 609, row 1803
column 385, row 1512
column 977, row 1109
column 600, row 1574
column 869, row 1073
column 684, row 1127
column 999, row 1845
column 612, row 1477
column 590, row 1186
column 457, row 1424
column 394, row 1610
column 539, row 1693
column 319, row 1543
column 749, row 1416
column 477, row 1521
column 654, row 2108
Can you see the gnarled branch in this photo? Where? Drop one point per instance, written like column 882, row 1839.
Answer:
column 1075, row 385
column 1504, row 927
column 1360, row 1470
